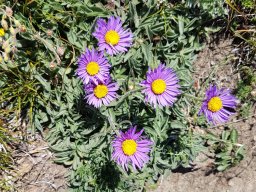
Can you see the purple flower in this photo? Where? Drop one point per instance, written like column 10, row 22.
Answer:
column 162, row 86
column 131, row 147
column 92, row 66
column 112, row 36
column 218, row 105
column 102, row 92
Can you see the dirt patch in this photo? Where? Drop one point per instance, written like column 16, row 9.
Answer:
column 35, row 170
column 215, row 64
column 240, row 178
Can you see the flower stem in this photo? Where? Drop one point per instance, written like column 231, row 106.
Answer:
column 121, row 99
column 111, row 121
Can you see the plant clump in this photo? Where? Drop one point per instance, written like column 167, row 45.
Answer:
column 109, row 86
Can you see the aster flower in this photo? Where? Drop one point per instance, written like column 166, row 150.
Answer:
column 92, row 66
column 131, row 147
column 218, row 105
column 111, row 36
column 101, row 93
column 161, row 86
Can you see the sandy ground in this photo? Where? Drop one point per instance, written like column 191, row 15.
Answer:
column 35, row 170
column 240, row 178
column 216, row 64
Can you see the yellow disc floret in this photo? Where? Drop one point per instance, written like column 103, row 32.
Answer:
column 158, row 86
column 100, row 91
column 215, row 104
column 92, row 68
column 112, row 37
column 2, row 32
column 129, row 147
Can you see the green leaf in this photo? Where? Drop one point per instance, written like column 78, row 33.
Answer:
column 234, row 136
column 178, row 125
column 222, row 167
column 134, row 15
column 181, row 25
column 43, row 82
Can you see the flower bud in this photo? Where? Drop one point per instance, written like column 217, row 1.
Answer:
column 8, row 11
column 2, row 32
column 7, row 49
column 12, row 30
column 5, row 44
column 17, row 23
column 49, row 32
column 60, row 51
column 6, row 56
column 23, row 29
column 52, row 66
column 4, row 24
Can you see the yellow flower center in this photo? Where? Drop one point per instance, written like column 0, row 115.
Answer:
column 100, row 91
column 158, row 86
column 215, row 104
column 112, row 37
column 92, row 68
column 2, row 32
column 129, row 147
